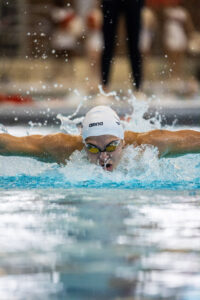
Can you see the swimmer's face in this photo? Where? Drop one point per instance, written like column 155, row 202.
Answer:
column 108, row 160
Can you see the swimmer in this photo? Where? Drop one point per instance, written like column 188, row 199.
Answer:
column 103, row 139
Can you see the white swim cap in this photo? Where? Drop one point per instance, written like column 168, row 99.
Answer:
column 102, row 120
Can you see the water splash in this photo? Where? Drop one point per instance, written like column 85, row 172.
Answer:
column 109, row 94
column 70, row 124
column 134, row 121
column 136, row 170
column 3, row 128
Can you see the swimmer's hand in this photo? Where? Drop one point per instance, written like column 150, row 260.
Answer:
column 170, row 143
column 48, row 148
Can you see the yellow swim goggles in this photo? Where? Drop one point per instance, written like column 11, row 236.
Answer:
column 111, row 147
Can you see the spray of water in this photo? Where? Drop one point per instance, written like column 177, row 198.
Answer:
column 69, row 124
column 132, row 121
column 3, row 128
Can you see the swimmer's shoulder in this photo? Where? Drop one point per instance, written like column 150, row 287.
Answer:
column 73, row 141
column 64, row 141
column 59, row 146
column 131, row 138
column 150, row 137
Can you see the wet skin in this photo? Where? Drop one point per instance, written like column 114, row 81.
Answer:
column 108, row 160
column 58, row 147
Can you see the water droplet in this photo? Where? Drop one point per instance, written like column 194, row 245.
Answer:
column 44, row 56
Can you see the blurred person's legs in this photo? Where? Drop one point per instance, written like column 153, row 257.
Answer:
column 133, row 23
column 111, row 12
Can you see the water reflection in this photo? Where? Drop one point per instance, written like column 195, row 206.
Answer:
column 99, row 244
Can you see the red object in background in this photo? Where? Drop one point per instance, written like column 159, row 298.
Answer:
column 91, row 21
column 69, row 17
column 160, row 3
column 18, row 99
column 94, row 19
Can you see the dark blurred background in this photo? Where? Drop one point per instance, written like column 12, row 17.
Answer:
column 28, row 53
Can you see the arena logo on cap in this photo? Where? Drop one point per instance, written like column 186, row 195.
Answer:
column 96, row 124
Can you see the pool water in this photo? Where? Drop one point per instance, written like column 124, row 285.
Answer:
column 99, row 244
column 79, row 232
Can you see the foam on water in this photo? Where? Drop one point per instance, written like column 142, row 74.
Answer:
column 137, row 169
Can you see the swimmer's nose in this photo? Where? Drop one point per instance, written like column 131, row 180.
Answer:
column 103, row 156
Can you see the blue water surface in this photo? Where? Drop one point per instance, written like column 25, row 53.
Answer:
column 144, row 172
column 46, row 181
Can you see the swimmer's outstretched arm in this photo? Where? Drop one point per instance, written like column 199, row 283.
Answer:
column 169, row 143
column 48, row 148
column 58, row 147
